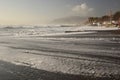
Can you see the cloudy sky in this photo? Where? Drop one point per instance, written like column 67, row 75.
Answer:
column 44, row 11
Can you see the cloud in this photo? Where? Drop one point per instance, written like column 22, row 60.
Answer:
column 83, row 9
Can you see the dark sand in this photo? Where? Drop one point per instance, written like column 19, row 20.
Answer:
column 15, row 72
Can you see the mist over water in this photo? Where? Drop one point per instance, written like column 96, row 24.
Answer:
column 32, row 30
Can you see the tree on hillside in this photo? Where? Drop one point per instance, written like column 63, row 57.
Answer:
column 90, row 19
column 105, row 18
column 93, row 19
column 116, row 16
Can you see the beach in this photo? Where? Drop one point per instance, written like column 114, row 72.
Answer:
column 49, row 53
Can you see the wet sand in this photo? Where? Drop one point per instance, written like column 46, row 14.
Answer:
column 15, row 72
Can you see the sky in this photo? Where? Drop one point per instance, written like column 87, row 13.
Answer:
column 44, row 11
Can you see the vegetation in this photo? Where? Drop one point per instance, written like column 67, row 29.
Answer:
column 112, row 19
column 116, row 16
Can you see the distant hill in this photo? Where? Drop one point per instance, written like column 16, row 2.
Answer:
column 69, row 20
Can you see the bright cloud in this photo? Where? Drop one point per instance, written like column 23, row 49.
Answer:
column 83, row 9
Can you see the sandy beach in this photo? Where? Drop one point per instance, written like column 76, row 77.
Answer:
column 67, row 56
